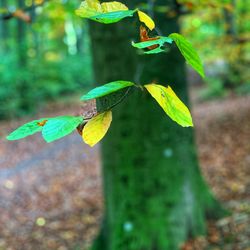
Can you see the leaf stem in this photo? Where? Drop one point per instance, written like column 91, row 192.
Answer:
column 121, row 99
column 139, row 86
column 86, row 119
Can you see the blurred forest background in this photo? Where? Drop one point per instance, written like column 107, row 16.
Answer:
column 46, row 64
column 45, row 50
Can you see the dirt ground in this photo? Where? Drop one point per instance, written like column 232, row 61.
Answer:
column 50, row 194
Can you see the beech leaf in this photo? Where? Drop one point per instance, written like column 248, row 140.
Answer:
column 107, row 12
column 158, row 41
column 189, row 53
column 106, row 89
column 171, row 104
column 96, row 128
column 144, row 18
column 59, row 127
column 27, row 129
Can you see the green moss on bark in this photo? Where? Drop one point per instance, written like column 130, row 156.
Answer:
column 155, row 196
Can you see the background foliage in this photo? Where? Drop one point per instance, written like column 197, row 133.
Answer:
column 220, row 30
column 44, row 55
column 44, row 51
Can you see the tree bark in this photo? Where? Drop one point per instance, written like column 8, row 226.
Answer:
column 155, row 196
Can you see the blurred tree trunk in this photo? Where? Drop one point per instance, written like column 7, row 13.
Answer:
column 34, row 33
column 27, row 104
column 155, row 196
column 80, row 38
column 4, row 28
column 230, row 20
column 234, row 66
column 21, row 36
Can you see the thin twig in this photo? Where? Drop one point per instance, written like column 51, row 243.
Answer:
column 120, row 100
column 151, row 8
column 112, row 106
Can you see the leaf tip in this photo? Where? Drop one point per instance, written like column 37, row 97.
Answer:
column 85, row 97
column 189, row 124
column 202, row 74
column 144, row 18
column 8, row 138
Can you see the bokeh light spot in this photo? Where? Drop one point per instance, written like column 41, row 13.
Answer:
column 40, row 221
column 9, row 184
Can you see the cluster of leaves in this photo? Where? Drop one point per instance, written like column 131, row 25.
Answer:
column 94, row 129
column 112, row 12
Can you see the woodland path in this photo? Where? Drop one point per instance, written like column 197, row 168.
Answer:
column 50, row 194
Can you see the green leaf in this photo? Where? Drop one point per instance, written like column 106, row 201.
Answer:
column 171, row 104
column 27, row 129
column 188, row 52
column 59, row 127
column 106, row 89
column 160, row 42
column 154, row 51
column 112, row 17
column 106, row 12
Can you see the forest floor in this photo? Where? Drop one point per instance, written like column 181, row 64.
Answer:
column 50, row 194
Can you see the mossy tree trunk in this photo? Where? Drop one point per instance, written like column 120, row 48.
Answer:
column 155, row 196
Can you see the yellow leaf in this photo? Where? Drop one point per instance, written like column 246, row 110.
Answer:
column 92, row 4
column 113, row 6
column 89, row 8
column 171, row 104
column 144, row 18
column 96, row 128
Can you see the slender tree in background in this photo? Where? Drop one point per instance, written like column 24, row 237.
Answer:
column 155, row 195
column 4, row 28
column 21, row 36
column 23, row 85
column 231, row 37
column 35, row 35
column 236, row 39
